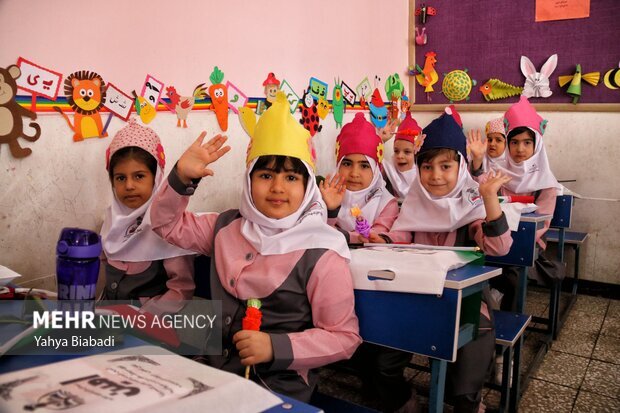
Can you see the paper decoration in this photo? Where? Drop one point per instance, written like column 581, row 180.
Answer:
column 537, row 83
column 574, row 89
column 427, row 76
column 38, row 80
column 152, row 90
column 219, row 98
column 421, row 38
column 364, row 89
column 348, row 93
column 252, row 321
column 612, row 78
column 236, row 98
column 247, row 118
column 318, row 88
column 309, row 116
column 144, row 109
column 457, row 85
column 424, row 11
column 338, row 105
column 182, row 105
column 394, row 88
column 547, row 10
column 291, row 96
column 86, row 94
column 361, row 224
column 118, row 102
column 271, row 87
column 11, row 112
column 404, row 107
column 495, row 89
column 322, row 108
column 378, row 111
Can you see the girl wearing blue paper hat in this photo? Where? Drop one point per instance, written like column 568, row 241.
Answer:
column 446, row 207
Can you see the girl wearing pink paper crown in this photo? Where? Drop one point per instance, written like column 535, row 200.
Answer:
column 358, row 202
column 139, row 264
column 400, row 172
column 485, row 153
column 446, row 207
column 276, row 248
column 527, row 165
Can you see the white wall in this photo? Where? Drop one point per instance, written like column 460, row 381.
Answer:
column 65, row 183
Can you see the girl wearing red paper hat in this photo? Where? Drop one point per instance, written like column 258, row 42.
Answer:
column 446, row 207
column 359, row 183
column 401, row 171
column 141, row 265
column 277, row 248
column 490, row 151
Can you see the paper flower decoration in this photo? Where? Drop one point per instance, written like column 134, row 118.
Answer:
column 251, row 321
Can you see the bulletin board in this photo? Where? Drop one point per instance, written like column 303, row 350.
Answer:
column 488, row 37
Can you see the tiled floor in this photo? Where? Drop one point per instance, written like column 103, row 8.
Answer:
column 579, row 373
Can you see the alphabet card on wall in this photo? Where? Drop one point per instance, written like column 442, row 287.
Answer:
column 236, row 98
column 291, row 96
column 318, row 88
column 11, row 112
column 86, row 93
column 118, row 102
column 364, row 88
column 38, row 80
column 348, row 94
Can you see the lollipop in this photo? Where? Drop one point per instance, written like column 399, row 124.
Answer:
column 251, row 321
column 361, row 224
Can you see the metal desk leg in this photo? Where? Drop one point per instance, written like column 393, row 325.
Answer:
column 505, row 386
column 521, row 294
column 515, row 389
column 438, row 384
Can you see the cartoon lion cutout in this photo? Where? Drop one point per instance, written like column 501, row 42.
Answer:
column 85, row 92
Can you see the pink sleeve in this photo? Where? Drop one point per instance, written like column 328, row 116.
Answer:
column 383, row 223
column 494, row 239
column 335, row 335
column 179, row 227
column 546, row 205
column 180, row 285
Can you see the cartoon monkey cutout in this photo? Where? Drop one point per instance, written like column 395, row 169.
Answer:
column 11, row 125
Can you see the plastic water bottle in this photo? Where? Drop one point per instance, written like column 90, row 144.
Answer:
column 77, row 264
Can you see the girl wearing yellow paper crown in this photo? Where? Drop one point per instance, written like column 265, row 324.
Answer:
column 277, row 247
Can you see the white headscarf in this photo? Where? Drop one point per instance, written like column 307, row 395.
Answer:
column 424, row 212
column 401, row 181
column 530, row 175
column 127, row 233
column 306, row 228
column 489, row 163
column 371, row 200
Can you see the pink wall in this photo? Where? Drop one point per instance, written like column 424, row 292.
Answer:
column 179, row 42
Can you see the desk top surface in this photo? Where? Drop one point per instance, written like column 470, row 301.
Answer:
column 469, row 275
column 534, row 217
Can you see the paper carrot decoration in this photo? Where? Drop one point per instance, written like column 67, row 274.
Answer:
column 219, row 98
column 251, row 321
column 361, row 224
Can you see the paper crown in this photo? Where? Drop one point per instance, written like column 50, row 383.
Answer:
column 408, row 129
column 523, row 113
column 277, row 132
column 495, row 126
column 444, row 132
column 359, row 136
column 271, row 80
column 140, row 136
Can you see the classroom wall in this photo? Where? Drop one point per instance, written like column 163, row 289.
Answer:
column 65, row 184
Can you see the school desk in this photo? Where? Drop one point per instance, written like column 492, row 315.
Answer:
column 435, row 326
column 9, row 363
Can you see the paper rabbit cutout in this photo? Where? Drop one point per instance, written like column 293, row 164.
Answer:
column 537, row 83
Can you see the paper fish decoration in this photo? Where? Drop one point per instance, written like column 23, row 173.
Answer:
column 495, row 89
column 182, row 105
column 574, row 89
column 219, row 98
column 457, row 85
column 427, row 76
column 612, row 78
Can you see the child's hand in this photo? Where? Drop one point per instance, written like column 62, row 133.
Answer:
column 254, row 347
column 194, row 161
column 388, row 130
column 477, row 146
column 491, row 186
column 375, row 238
column 332, row 190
